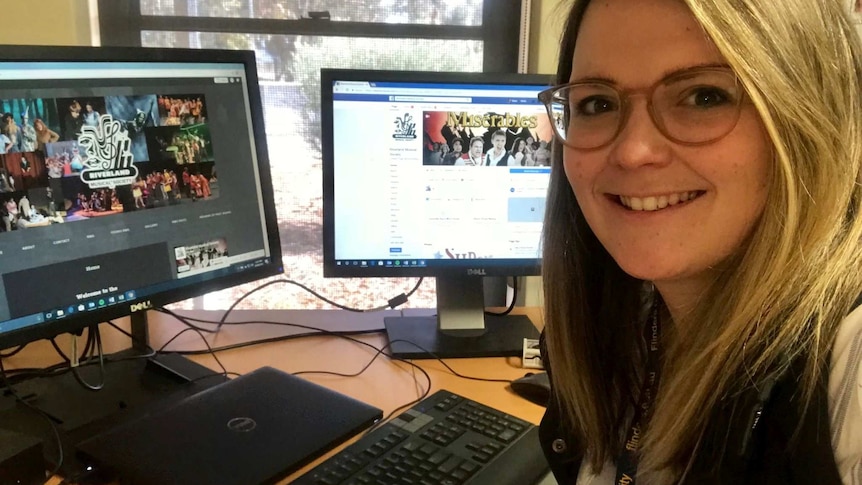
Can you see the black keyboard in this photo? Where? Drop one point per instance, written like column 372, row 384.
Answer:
column 445, row 439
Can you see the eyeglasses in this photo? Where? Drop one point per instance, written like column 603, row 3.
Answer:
column 692, row 107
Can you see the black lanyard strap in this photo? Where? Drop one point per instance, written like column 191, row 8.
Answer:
column 627, row 462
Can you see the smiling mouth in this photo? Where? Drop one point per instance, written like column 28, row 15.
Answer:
column 656, row 203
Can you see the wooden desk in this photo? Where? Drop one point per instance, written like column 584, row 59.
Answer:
column 385, row 384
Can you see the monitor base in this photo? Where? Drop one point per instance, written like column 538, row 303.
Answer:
column 503, row 336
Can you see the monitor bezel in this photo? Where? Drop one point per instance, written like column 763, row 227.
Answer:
column 77, row 322
column 465, row 267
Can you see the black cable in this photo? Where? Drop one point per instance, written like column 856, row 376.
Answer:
column 392, row 303
column 512, row 303
column 94, row 343
column 453, row 371
column 97, row 335
column 315, row 331
column 133, row 338
column 282, row 338
column 54, row 429
column 201, row 335
column 12, row 352
column 84, row 352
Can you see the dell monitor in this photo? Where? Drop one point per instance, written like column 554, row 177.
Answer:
column 130, row 178
column 441, row 175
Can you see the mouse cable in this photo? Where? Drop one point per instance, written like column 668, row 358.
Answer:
column 11, row 390
column 511, row 306
column 391, row 303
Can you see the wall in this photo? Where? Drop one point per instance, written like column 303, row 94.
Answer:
column 546, row 26
column 57, row 22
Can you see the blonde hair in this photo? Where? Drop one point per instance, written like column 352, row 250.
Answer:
column 779, row 299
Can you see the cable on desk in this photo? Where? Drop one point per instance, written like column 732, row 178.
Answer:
column 315, row 332
column 391, row 303
column 12, row 352
column 194, row 329
column 94, row 344
column 54, row 429
column 84, row 352
column 318, row 331
column 447, row 366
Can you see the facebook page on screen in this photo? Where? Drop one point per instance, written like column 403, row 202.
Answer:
column 427, row 172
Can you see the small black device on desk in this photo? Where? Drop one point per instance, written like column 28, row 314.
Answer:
column 446, row 439
column 253, row 429
column 534, row 387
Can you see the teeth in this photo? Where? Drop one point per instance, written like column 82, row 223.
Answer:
column 657, row 203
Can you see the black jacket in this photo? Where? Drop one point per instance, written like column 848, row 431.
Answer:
column 734, row 451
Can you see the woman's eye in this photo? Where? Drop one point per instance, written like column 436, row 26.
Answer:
column 707, row 97
column 595, row 105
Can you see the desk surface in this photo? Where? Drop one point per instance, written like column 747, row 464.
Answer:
column 385, row 384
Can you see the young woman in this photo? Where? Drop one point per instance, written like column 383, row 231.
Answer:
column 519, row 148
column 703, row 246
column 44, row 135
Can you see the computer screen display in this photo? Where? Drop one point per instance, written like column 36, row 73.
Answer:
column 428, row 174
column 436, row 174
column 129, row 178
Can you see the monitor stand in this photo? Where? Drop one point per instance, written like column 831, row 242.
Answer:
column 461, row 328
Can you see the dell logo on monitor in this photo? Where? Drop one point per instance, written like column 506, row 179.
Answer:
column 476, row 272
column 144, row 305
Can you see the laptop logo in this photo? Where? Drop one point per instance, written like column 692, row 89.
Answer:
column 241, row 425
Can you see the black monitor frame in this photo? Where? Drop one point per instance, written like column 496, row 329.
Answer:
column 461, row 328
column 77, row 322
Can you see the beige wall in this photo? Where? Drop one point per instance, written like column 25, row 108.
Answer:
column 46, row 22
column 546, row 26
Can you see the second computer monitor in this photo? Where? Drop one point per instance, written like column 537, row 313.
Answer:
column 436, row 174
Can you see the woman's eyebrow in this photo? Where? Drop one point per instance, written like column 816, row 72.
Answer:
column 668, row 73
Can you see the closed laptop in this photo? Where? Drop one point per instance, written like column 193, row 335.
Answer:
column 254, row 429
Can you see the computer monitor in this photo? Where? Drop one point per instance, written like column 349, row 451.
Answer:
column 130, row 178
column 436, row 174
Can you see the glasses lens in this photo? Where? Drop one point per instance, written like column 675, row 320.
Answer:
column 698, row 107
column 585, row 115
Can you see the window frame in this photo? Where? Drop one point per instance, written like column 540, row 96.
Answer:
column 121, row 24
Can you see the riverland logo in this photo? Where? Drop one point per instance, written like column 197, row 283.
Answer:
column 109, row 156
column 405, row 128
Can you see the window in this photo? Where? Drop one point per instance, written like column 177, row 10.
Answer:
column 292, row 41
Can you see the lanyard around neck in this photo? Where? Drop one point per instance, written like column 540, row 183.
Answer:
column 627, row 462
